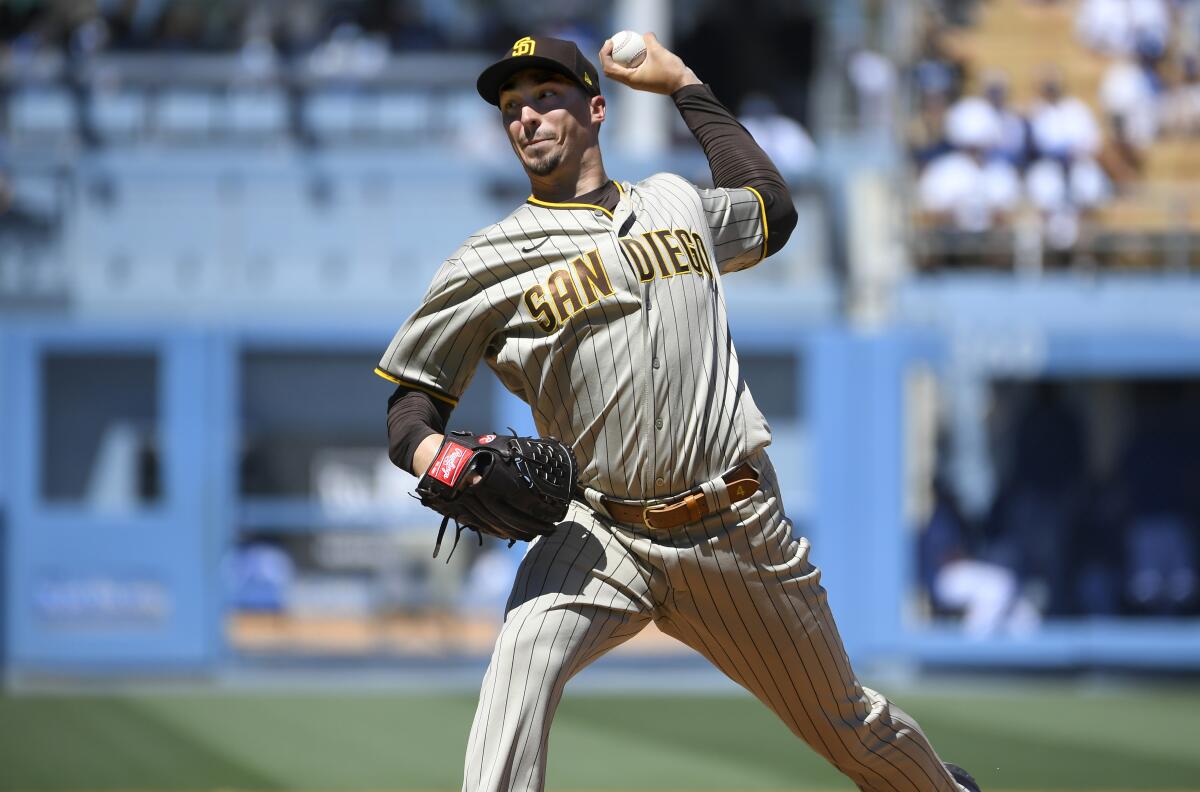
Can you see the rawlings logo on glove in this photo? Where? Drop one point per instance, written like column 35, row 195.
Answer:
column 516, row 488
column 451, row 460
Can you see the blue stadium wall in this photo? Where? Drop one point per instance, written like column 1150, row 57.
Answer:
column 142, row 592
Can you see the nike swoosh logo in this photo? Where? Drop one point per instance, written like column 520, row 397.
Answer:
column 532, row 248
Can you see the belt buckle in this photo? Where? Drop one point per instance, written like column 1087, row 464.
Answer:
column 646, row 515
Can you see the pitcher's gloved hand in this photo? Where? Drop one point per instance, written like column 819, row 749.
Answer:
column 516, row 488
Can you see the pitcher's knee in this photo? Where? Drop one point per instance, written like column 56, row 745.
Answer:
column 541, row 642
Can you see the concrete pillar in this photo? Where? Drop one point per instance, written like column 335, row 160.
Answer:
column 643, row 120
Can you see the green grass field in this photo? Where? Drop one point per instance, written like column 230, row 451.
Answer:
column 1032, row 738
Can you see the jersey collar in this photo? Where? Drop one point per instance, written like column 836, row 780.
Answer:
column 572, row 205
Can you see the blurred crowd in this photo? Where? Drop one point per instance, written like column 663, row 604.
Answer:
column 288, row 27
column 294, row 46
column 1068, row 534
column 981, row 161
column 278, row 47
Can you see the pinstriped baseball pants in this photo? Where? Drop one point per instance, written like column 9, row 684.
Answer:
column 736, row 587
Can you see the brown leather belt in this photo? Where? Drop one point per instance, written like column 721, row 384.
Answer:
column 742, row 482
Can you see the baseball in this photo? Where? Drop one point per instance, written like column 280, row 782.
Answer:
column 629, row 49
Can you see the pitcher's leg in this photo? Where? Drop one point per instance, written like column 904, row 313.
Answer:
column 751, row 601
column 577, row 595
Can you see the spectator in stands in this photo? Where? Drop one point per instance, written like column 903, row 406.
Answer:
column 927, row 129
column 937, row 77
column 87, row 36
column 299, row 31
column 1014, row 129
column 873, row 77
column 1065, row 179
column 1118, row 27
column 349, row 54
column 936, row 68
column 184, row 26
column 1063, row 127
column 258, row 58
column 1158, row 471
column 21, row 219
column 1181, row 103
column 124, row 23
column 1098, row 557
column 1129, row 96
column 987, row 594
column 782, row 137
column 1105, row 26
column 297, row 25
column 409, row 28
column 1151, row 23
column 1120, row 157
column 966, row 189
column 1041, row 495
column 1187, row 28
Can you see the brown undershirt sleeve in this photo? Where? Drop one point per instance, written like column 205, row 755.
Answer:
column 411, row 417
column 736, row 160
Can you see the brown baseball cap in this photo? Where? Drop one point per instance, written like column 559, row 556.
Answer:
column 539, row 52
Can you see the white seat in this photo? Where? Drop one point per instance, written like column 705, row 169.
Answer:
column 257, row 113
column 402, row 114
column 36, row 114
column 186, row 114
column 334, row 114
column 119, row 115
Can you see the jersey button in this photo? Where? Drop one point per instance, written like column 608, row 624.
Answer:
column 655, row 363
column 658, row 424
column 660, row 481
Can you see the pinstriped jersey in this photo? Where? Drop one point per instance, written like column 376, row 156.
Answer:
column 612, row 327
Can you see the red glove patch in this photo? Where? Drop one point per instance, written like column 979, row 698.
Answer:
column 450, row 463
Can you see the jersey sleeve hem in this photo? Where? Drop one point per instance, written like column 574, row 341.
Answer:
column 762, row 207
column 417, row 386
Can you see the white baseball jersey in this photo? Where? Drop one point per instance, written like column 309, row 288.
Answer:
column 612, row 327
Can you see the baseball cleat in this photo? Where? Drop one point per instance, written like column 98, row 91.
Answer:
column 962, row 777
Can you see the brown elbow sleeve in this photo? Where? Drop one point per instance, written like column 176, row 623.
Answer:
column 411, row 417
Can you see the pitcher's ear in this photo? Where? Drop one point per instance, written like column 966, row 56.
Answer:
column 599, row 107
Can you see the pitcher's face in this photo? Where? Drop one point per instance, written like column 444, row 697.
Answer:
column 549, row 119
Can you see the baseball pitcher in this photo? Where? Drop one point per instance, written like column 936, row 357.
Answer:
column 648, row 495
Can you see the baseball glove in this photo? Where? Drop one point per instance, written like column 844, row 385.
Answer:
column 515, row 488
